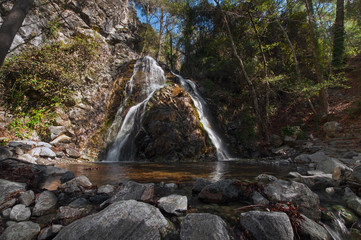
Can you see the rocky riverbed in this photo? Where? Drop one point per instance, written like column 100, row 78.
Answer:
column 319, row 201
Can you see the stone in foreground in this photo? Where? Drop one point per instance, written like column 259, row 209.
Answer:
column 267, row 225
column 174, row 204
column 21, row 231
column 203, row 226
column 128, row 220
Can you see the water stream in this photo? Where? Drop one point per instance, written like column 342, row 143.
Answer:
column 150, row 76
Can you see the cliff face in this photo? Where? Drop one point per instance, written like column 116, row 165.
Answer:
column 113, row 25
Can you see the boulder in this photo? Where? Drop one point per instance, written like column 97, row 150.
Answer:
column 121, row 220
column 27, row 198
column 45, row 203
column 21, row 231
column 49, row 232
column 43, row 144
column 329, row 165
column 267, row 225
column 56, row 131
column 199, row 184
column 203, row 226
column 78, row 184
column 5, row 153
column 257, row 198
column 174, row 204
column 265, row 178
column 61, row 139
column 220, row 192
column 352, row 201
column 6, row 213
column 297, row 193
column 106, row 189
column 24, row 145
column 356, row 173
column 133, row 190
column 67, row 176
column 276, row 140
column 8, row 189
column 309, row 229
column 42, row 152
column 72, row 153
column 20, row 213
column 28, row 158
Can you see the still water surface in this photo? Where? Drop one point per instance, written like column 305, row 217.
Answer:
column 113, row 173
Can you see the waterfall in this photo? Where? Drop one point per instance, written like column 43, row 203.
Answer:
column 150, row 76
column 204, row 116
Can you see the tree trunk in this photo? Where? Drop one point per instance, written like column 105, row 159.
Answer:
column 161, row 27
column 261, row 124
column 316, row 49
column 338, row 37
column 11, row 25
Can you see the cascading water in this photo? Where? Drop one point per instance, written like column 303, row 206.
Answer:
column 204, row 116
column 150, row 76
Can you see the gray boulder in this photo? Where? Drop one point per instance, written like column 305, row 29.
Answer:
column 45, row 203
column 21, row 231
column 203, row 226
column 126, row 220
column 75, row 210
column 56, row 131
column 267, row 225
column 72, row 153
column 133, row 190
column 174, row 204
column 220, row 192
column 24, row 145
column 42, row 152
column 309, row 229
column 297, row 193
column 5, row 153
column 106, row 189
column 7, row 189
column 20, row 213
column 49, row 232
column 78, row 184
column 199, row 184
column 27, row 198
column 352, row 201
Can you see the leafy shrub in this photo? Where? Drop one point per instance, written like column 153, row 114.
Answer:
column 40, row 79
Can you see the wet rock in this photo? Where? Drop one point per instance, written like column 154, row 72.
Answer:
column 45, row 203
column 257, row 198
column 67, row 176
column 27, row 198
column 121, row 220
column 5, row 153
column 329, row 165
column 21, row 231
column 297, row 193
column 352, row 201
column 72, row 153
column 49, row 232
column 106, row 189
column 133, row 190
column 20, row 213
column 199, row 184
column 78, row 184
column 220, row 192
column 265, row 178
column 203, row 226
column 350, row 154
column 56, row 131
column 309, row 229
column 267, row 225
column 317, row 181
column 28, row 158
column 42, row 152
column 356, row 174
column 68, row 214
column 174, row 204
column 331, row 128
column 8, row 189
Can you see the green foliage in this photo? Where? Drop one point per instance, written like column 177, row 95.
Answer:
column 40, row 79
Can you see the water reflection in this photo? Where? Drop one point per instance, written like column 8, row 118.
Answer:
column 115, row 172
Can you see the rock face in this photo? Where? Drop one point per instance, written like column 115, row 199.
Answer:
column 7, row 188
column 220, row 192
column 203, row 226
column 135, row 191
column 267, row 225
column 114, row 24
column 121, row 220
column 174, row 204
column 298, row 193
column 20, row 213
column 45, row 203
column 172, row 130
